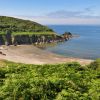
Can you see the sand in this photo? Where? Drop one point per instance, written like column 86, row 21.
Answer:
column 30, row 54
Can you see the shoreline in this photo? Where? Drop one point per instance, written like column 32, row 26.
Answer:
column 29, row 54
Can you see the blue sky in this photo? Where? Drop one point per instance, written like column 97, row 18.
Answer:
column 53, row 11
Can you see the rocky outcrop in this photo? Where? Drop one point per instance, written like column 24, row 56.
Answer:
column 8, row 38
column 67, row 35
column 36, row 39
column 21, row 39
column 2, row 40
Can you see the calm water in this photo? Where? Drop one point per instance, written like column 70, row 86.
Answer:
column 86, row 46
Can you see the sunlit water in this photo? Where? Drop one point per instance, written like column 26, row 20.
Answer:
column 86, row 46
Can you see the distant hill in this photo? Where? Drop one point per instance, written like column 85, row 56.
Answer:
column 19, row 25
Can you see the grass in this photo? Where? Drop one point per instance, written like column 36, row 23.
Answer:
column 31, row 33
column 2, row 33
column 2, row 63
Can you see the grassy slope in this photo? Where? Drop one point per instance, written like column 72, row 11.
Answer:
column 49, row 82
column 20, row 26
column 31, row 33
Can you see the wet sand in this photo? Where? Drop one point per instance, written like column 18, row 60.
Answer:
column 30, row 54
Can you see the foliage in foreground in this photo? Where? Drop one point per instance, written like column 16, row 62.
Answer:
column 50, row 82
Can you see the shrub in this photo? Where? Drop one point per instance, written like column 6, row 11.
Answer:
column 68, row 81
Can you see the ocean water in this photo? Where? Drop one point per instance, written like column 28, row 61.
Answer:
column 86, row 46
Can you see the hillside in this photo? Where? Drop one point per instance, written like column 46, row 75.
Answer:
column 20, row 25
column 19, row 31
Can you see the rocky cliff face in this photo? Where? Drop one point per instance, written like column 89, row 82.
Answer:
column 9, row 39
column 2, row 41
column 26, row 39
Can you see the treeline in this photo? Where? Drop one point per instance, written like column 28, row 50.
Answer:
column 20, row 25
column 69, row 81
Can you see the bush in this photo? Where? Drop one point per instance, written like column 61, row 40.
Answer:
column 48, row 82
column 95, row 65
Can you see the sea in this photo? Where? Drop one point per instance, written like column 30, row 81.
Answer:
column 86, row 46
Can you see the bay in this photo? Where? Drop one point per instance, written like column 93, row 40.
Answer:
column 86, row 46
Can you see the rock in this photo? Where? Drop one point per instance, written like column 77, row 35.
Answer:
column 8, row 37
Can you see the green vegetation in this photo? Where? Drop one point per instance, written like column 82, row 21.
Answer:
column 33, row 33
column 69, row 81
column 30, row 33
column 16, row 26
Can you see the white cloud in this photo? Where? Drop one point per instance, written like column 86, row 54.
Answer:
column 47, row 20
column 64, row 14
column 86, row 16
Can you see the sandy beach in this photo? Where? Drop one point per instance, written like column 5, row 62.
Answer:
column 30, row 54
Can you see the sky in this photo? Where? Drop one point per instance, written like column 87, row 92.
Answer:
column 53, row 11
